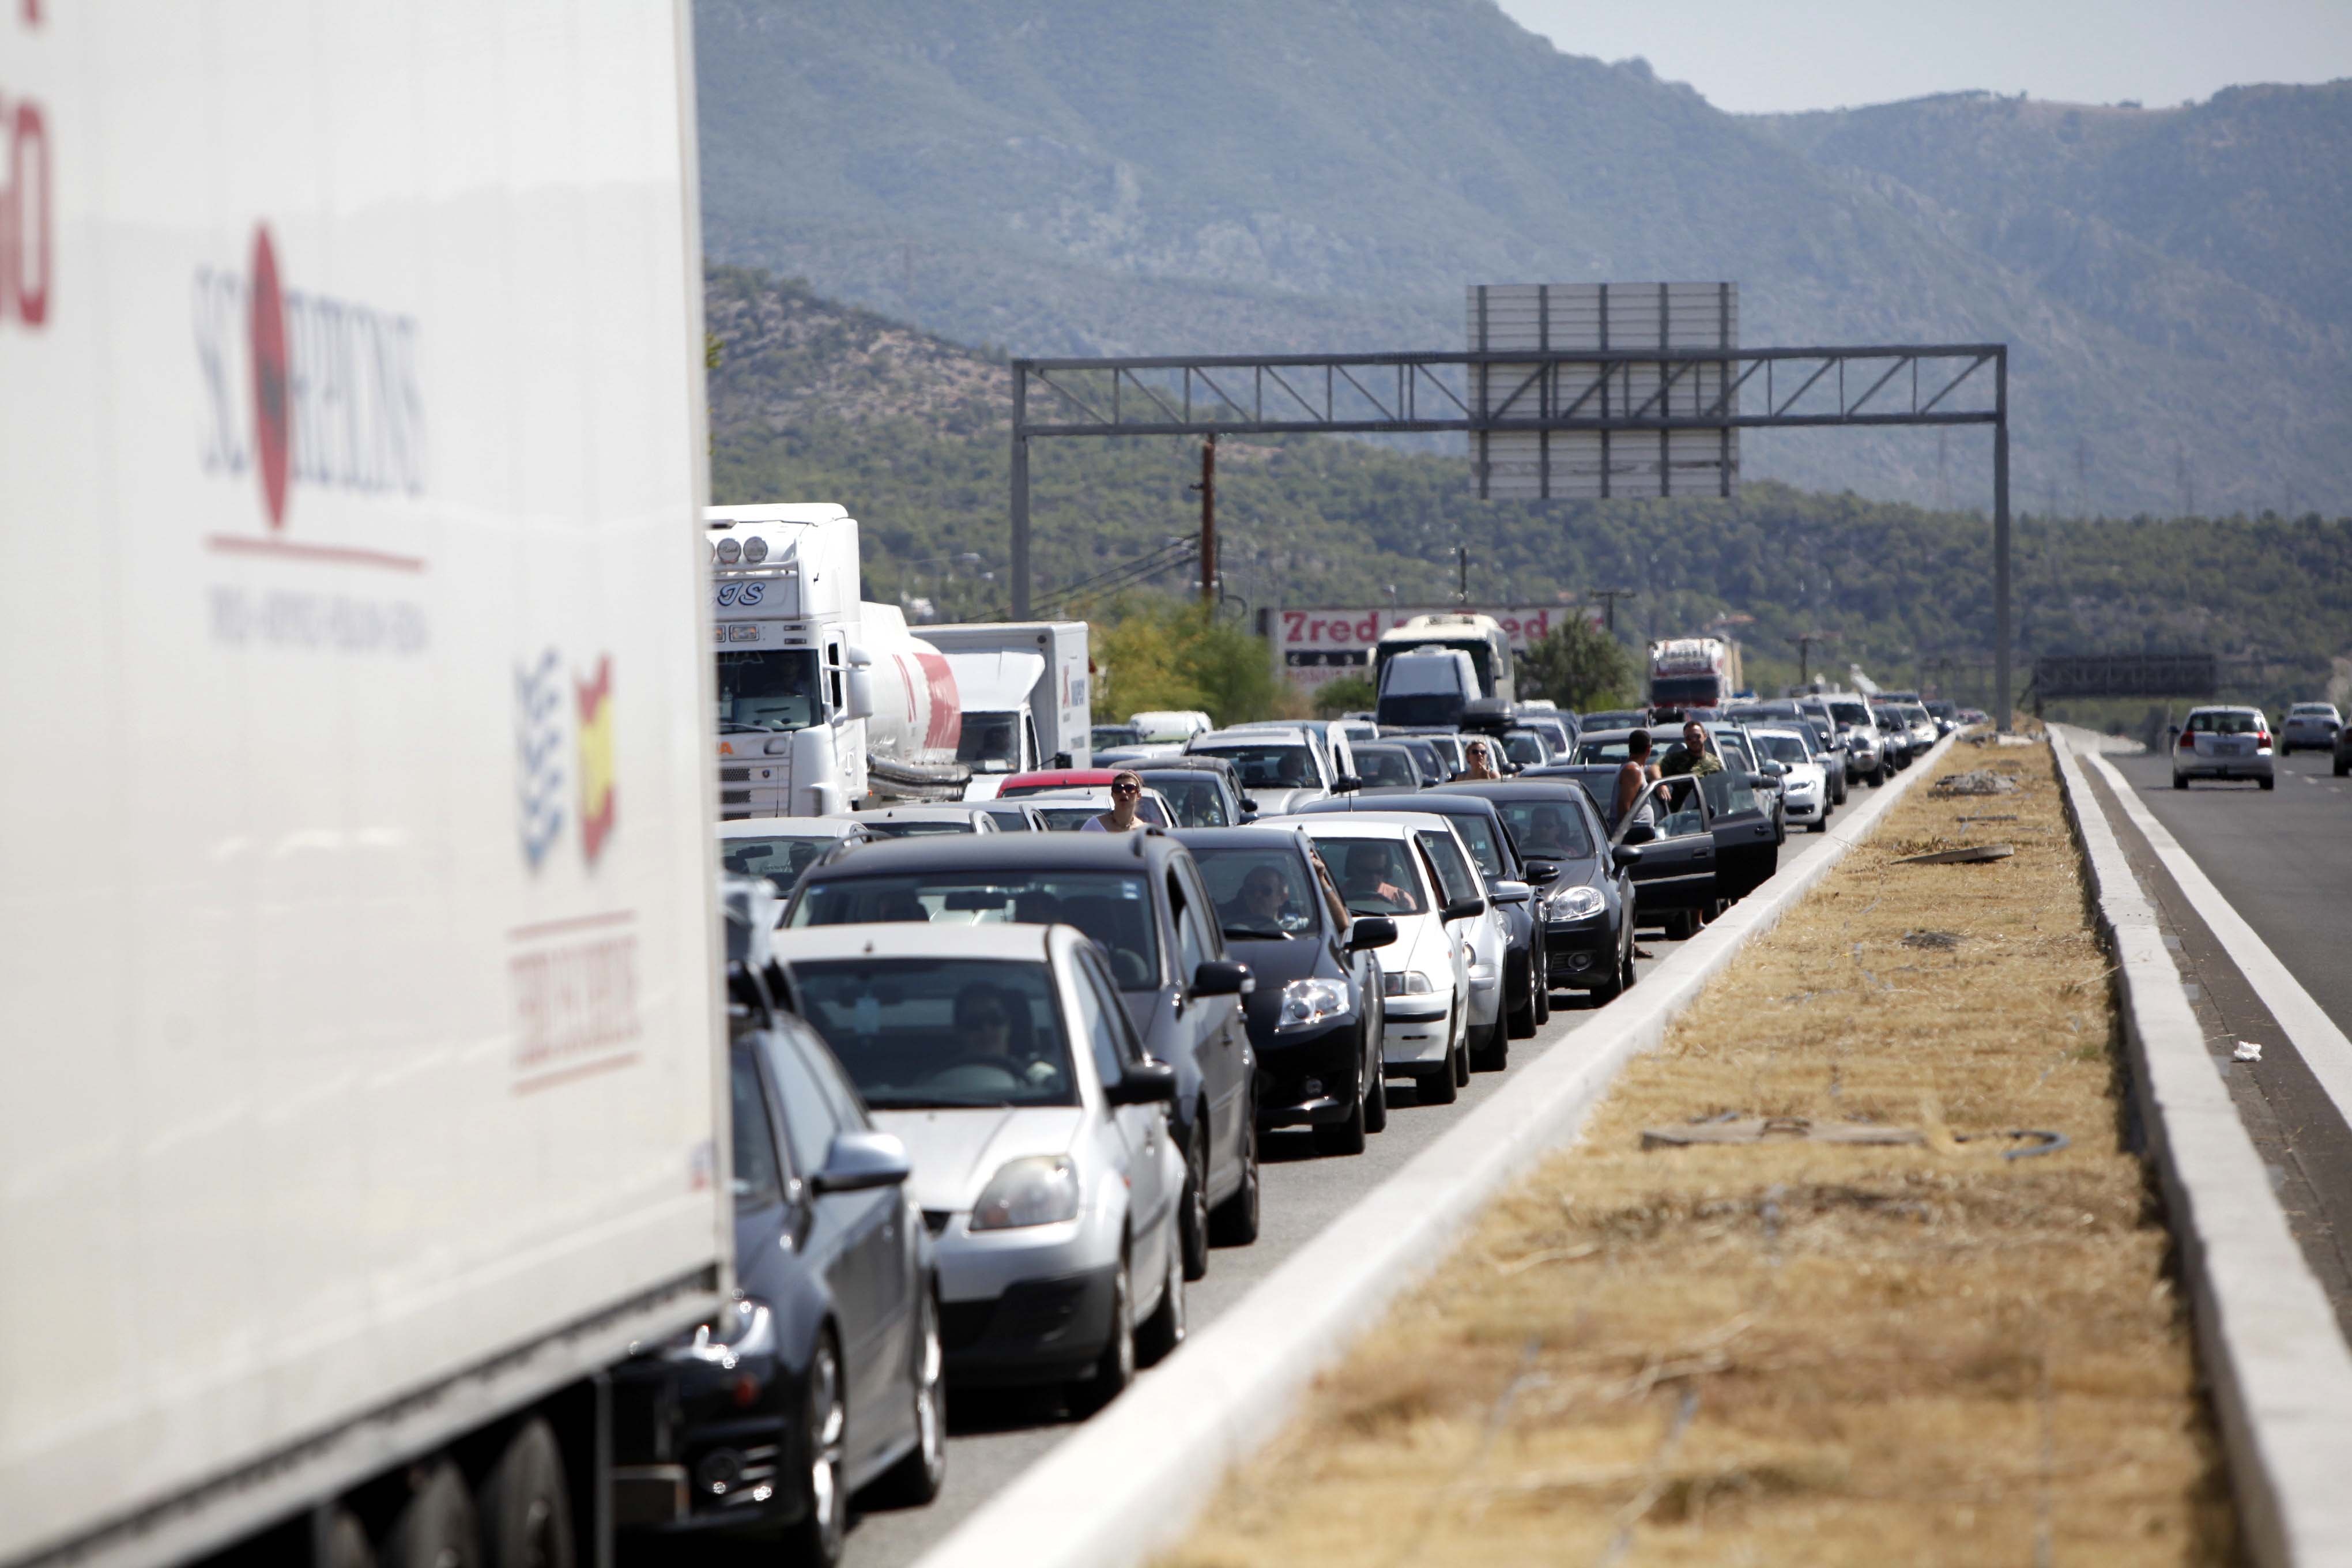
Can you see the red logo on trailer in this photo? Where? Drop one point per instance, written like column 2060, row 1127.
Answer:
column 273, row 438
column 947, row 707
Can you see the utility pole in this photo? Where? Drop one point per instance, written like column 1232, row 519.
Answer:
column 1461, row 569
column 1208, row 488
column 1609, row 597
column 1805, row 641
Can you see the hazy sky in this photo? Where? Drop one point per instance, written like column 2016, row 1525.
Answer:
column 1750, row 55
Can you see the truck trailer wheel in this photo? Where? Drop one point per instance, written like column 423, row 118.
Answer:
column 526, row 1508
column 436, row 1528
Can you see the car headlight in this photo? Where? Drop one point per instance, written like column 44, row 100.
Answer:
column 1310, row 1002
column 1037, row 1189
column 743, row 1327
column 1577, row 903
column 1407, row 983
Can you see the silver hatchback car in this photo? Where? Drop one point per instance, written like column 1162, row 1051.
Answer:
column 2312, row 726
column 2224, row 743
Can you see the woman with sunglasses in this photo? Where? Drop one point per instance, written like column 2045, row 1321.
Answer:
column 1126, row 793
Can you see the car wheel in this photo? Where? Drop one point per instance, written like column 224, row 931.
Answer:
column 1522, row 1016
column 2179, row 782
column 1115, row 1368
column 1440, row 1088
column 1376, row 1109
column 2343, row 767
column 1543, row 987
column 916, row 1480
column 2268, row 783
column 816, row 1537
column 1192, row 1211
column 1494, row 1053
column 1820, row 824
column 1344, row 1137
column 526, row 1508
column 1164, row 1329
column 1462, row 1054
column 1234, row 1222
column 434, row 1528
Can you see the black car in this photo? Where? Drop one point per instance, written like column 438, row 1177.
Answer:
column 1586, row 898
column 1671, row 831
column 1202, row 791
column 1527, row 986
column 1137, row 895
column 1316, row 1014
column 1388, row 768
column 821, row 1380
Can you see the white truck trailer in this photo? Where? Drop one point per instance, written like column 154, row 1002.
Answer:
column 1694, row 672
column 826, row 701
column 1026, row 695
column 362, row 1095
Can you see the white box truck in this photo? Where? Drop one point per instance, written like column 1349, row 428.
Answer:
column 1026, row 695
column 359, row 999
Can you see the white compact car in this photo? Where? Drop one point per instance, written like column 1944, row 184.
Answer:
column 1486, row 933
column 1805, row 787
column 2224, row 743
column 1003, row 1059
column 1382, row 869
column 2312, row 725
column 780, row 847
column 916, row 819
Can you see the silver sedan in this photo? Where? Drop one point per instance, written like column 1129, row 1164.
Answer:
column 2223, row 743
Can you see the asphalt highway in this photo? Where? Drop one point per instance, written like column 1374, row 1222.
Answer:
column 993, row 1437
column 2283, row 858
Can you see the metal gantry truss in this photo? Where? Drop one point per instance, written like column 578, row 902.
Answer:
column 1615, row 392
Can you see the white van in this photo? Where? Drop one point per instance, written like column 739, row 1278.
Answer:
column 1427, row 688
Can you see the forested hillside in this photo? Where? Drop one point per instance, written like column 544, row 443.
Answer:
column 817, row 401
column 1125, row 176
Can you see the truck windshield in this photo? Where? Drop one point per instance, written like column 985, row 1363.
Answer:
column 991, row 742
column 1436, row 707
column 770, row 689
column 1676, row 691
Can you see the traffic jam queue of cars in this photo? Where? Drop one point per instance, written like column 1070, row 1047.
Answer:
column 1000, row 1084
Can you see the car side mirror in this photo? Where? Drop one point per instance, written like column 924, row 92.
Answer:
column 1345, row 784
column 1639, row 833
column 1776, row 768
column 1463, row 909
column 1061, row 760
column 1507, row 892
column 1249, row 804
column 859, row 1160
column 1222, row 977
column 1542, row 873
column 1369, row 932
column 1625, row 856
column 1148, row 1083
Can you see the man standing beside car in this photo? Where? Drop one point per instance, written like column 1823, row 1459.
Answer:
column 1632, row 774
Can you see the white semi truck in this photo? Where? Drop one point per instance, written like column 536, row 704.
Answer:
column 1026, row 693
column 825, row 702
column 1694, row 672
column 1481, row 637
column 361, row 1088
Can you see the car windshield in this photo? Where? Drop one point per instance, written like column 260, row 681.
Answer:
column 2225, row 721
column 1547, row 829
column 1376, row 876
column 1116, row 735
column 1850, row 713
column 781, row 861
column 1282, row 766
column 1262, row 895
column 991, row 742
column 1615, row 749
column 917, row 828
column 1110, row 907
column 921, row 1033
column 773, row 689
column 1196, row 799
column 1783, row 748
column 1526, row 748
column 1383, row 767
column 1615, row 719
column 1478, row 832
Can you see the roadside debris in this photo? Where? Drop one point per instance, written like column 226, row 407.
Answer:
column 1940, row 941
column 2247, row 1051
column 1961, row 856
column 1732, row 1129
column 1978, row 781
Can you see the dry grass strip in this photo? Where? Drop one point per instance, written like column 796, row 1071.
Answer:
column 1793, row 1352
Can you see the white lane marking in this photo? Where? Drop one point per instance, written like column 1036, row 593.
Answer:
column 2313, row 1033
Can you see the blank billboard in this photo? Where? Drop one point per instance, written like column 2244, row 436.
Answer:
column 1532, row 465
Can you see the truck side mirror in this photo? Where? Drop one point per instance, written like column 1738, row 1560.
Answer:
column 861, row 692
